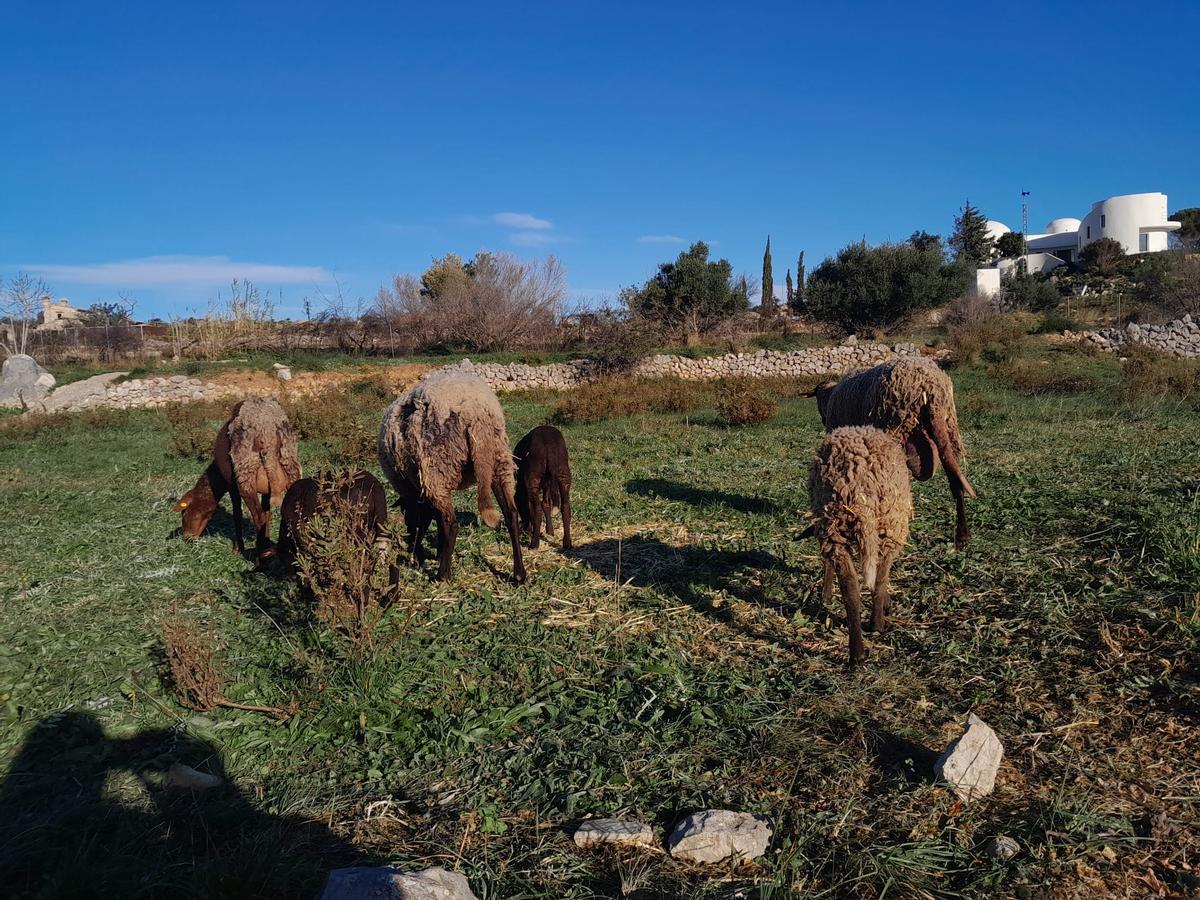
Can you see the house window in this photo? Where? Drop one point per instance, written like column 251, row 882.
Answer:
column 1143, row 243
column 1101, row 220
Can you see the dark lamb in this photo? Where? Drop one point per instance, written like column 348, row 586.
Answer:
column 543, row 483
column 358, row 498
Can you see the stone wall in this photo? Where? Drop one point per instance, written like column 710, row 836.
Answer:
column 1178, row 338
column 761, row 364
column 105, row 391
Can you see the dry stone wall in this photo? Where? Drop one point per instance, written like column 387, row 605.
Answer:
column 105, row 391
column 1178, row 338
column 761, row 364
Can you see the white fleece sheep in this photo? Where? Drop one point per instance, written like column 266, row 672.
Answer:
column 861, row 502
column 445, row 434
column 912, row 399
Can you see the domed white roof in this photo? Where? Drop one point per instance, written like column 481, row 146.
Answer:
column 1062, row 226
column 995, row 229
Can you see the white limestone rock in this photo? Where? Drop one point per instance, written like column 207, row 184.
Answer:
column 619, row 832
column 970, row 762
column 390, row 883
column 185, row 778
column 717, row 835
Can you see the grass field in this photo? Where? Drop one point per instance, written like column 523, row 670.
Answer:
column 677, row 659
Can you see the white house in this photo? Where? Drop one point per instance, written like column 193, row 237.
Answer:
column 1138, row 222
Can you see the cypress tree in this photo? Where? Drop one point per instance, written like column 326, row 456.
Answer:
column 798, row 293
column 767, row 306
column 790, row 295
column 971, row 241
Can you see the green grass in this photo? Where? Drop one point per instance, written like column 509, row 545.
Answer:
column 678, row 659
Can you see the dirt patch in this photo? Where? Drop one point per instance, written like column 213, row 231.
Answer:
column 253, row 381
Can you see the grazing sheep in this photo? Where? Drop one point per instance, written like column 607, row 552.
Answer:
column 861, row 505
column 359, row 498
column 254, row 456
column 543, row 482
column 445, row 434
column 914, row 400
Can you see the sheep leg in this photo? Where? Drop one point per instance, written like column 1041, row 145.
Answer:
column 262, row 540
column 508, row 509
column 535, row 515
column 848, row 582
column 235, row 500
column 548, row 513
column 881, row 600
column 827, row 576
column 564, row 492
column 962, row 534
column 443, row 511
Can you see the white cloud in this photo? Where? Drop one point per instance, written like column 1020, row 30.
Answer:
column 537, row 239
column 521, row 220
column 208, row 271
column 661, row 239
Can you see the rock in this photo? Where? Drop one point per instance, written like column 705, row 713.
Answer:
column 716, row 835
column 181, row 777
column 969, row 763
column 282, row 372
column 389, row 883
column 22, row 379
column 1001, row 848
column 595, row 832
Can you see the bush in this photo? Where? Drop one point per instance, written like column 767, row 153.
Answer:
column 1035, row 376
column 739, row 403
column 194, row 427
column 995, row 339
column 1102, row 256
column 690, row 293
column 1055, row 323
column 611, row 398
column 337, row 418
column 1150, row 375
column 866, row 287
column 1030, row 291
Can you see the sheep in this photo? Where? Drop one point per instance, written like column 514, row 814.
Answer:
column 861, row 502
column 446, row 434
column 914, row 400
column 543, row 482
column 254, row 455
column 358, row 498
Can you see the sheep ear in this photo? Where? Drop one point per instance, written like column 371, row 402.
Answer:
column 921, row 456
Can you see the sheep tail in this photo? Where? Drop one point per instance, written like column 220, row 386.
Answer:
column 483, row 458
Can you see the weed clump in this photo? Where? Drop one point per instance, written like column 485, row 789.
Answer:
column 194, row 427
column 996, row 338
column 1150, row 375
column 739, row 403
column 337, row 418
column 1033, row 376
column 191, row 663
column 611, row 398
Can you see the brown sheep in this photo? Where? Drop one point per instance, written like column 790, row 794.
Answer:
column 254, row 456
column 914, row 400
column 861, row 503
column 543, row 482
column 359, row 497
column 446, row 434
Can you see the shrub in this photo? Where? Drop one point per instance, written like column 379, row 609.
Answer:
column 1055, row 323
column 1150, row 375
column 977, row 331
column 610, row 398
column 349, row 580
column 739, row 403
column 1035, row 376
column 340, row 418
column 194, row 427
column 692, row 293
column 1102, row 256
column 866, row 287
column 1030, row 291
column 191, row 665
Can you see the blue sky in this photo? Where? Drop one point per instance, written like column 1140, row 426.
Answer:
column 161, row 150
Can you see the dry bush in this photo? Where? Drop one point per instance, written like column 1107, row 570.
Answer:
column 190, row 658
column 1150, row 375
column 979, row 331
column 16, row 427
column 502, row 304
column 337, row 418
column 194, row 427
column 349, row 578
column 1034, row 376
column 611, row 398
column 741, row 403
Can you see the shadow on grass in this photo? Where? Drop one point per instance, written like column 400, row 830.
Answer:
column 691, row 574
column 85, row 815
column 700, row 497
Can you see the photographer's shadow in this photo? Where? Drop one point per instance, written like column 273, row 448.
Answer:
column 83, row 814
